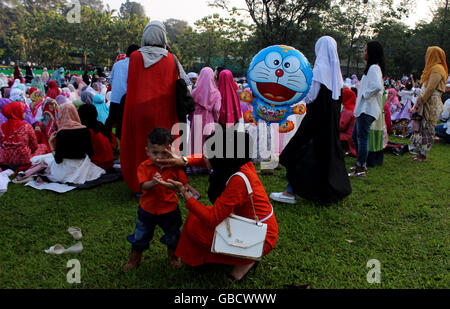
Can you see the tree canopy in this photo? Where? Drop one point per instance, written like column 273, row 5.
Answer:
column 38, row 31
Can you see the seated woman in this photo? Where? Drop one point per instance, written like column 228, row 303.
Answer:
column 71, row 147
column 228, row 195
column 347, row 121
column 103, row 154
column 18, row 141
column 47, row 126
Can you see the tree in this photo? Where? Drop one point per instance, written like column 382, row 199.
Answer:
column 279, row 21
column 131, row 9
column 175, row 28
column 96, row 5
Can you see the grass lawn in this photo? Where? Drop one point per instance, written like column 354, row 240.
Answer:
column 398, row 215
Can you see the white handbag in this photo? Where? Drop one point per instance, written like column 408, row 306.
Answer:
column 239, row 236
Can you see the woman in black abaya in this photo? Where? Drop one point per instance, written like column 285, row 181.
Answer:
column 313, row 158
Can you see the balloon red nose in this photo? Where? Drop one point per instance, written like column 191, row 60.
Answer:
column 279, row 73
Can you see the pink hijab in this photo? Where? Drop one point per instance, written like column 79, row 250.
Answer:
column 206, row 93
column 393, row 104
column 230, row 111
column 68, row 118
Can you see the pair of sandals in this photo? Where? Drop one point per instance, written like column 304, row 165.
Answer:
column 77, row 248
column 356, row 172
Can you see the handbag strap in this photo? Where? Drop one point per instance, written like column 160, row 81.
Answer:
column 250, row 194
column 177, row 68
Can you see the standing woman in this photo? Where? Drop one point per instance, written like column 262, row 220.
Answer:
column 29, row 75
column 230, row 111
column 429, row 104
column 207, row 109
column 18, row 75
column 313, row 157
column 150, row 100
column 369, row 105
column 44, row 76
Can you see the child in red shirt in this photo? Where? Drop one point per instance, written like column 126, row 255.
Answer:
column 158, row 204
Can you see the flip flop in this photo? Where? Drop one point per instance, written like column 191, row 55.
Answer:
column 59, row 249
column 75, row 232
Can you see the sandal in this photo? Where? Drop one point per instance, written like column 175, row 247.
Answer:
column 355, row 173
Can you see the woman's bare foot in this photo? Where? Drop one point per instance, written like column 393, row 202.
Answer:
column 239, row 271
column 174, row 260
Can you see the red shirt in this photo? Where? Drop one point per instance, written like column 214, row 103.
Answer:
column 159, row 200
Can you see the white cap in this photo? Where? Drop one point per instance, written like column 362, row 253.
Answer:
column 192, row 75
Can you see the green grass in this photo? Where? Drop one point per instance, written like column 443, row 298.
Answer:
column 398, row 215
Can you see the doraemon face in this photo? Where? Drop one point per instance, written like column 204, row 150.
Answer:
column 280, row 75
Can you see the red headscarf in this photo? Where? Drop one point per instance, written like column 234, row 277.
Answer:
column 230, row 111
column 31, row 90
column 348, row 99
column 18, row 74
column 121, row 57
column 14, row 112
column 53, row 90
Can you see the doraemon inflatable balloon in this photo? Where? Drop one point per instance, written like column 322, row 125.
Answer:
column 279, row 77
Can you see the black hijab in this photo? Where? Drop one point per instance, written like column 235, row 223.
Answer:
column 226, row 163
column 88, row 117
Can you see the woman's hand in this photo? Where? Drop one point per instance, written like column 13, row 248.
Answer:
column 192, row 190
column 173, row 160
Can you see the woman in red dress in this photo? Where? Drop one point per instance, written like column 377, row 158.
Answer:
column 228, row 195
column 150, row 100
column 18, row 141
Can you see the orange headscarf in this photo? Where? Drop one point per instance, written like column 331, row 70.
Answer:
column 68, row 118
column 435, row 62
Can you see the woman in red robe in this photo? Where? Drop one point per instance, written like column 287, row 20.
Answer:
column 150, row 99
column 229, row 195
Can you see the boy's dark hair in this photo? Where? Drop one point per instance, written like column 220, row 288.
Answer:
column 409, row 85
column 160, row 136
column 132, row 48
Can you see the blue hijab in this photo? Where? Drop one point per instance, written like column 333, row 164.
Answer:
column 102, row 108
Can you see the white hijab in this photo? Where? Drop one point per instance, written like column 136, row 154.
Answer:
column 154, row 34
column 327, row 68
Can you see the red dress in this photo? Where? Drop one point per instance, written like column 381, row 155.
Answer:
column 346, row 125
column 17, row 148
column 103, row 153
column 150, row 103
column 194, row 246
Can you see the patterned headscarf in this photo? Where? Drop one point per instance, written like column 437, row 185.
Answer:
column 48, row 124
column 37, row 98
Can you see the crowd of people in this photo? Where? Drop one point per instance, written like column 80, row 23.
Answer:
column 73, row 129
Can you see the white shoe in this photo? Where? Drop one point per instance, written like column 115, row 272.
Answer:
column 59, row 249
column 280, row 197
column 75, row 232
